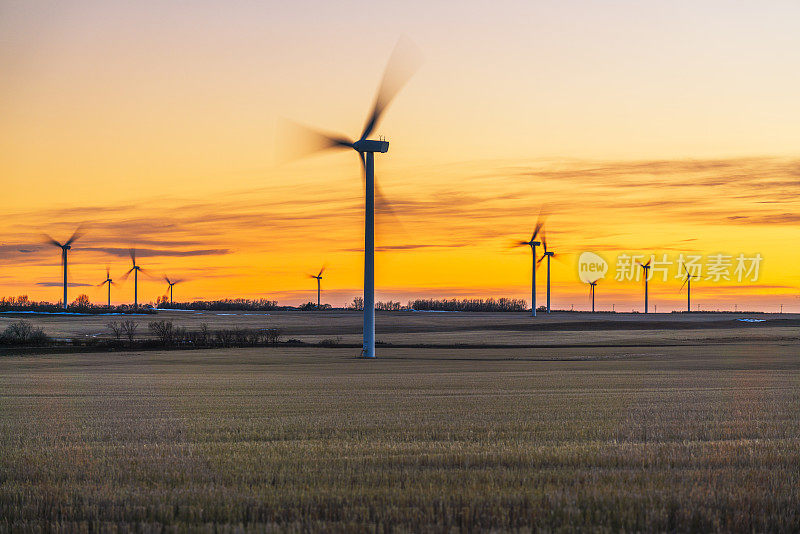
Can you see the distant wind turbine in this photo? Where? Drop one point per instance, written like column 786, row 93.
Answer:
column 171, row 283
column 319, row 281
column 533, row 243
column 547, row 254
column 66, row 246
column 135, row 270
column 688, row 283
column 646, row 269
column 592, row 286
column 108, row 281
column 398, row 71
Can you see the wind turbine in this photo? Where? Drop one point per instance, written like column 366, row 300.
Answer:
column 108, row 281
column 533, row 243
column 397, row 73
column 171, row 283
column 592, row 286
column 646, row 269
column 547, row 254
column 319, row 280
column 135, row 270
column 66, row 246
column 688, row 283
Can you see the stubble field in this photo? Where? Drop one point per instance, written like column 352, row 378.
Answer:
column 682, row 428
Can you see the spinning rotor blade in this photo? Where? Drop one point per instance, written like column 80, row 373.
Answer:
column 321, row 271
column 297, row 141
column 403, row 63
column 75, row 235
column 126, row 275
column 132, row 253
column 50, row 241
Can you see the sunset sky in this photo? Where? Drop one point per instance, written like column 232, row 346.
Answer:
column 644, row 127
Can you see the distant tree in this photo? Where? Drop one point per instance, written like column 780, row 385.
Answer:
column 357, row 304
column 473, row 305
column 82, row 302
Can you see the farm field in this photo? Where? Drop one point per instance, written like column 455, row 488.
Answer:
column 450, row 329
column 647, row 437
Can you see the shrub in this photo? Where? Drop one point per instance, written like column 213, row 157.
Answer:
column 164, row 331
column 23, row 333
column 129, row 328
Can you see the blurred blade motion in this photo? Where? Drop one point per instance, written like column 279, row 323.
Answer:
column 296, row 141
column 403, row 63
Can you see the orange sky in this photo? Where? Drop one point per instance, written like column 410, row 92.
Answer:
column 645, row 129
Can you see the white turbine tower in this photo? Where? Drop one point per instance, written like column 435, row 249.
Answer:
column 65, row 247
column 402, row 65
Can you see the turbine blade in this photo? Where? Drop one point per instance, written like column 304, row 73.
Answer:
column 126, row 275
column 132, row 253
column 75, row 235
column 539, row 222
column 49, row 240
column 321, row 271
column 403, row 63
column 296, row 141
column 683, row 285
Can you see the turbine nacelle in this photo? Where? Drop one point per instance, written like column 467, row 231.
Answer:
column 371, row 145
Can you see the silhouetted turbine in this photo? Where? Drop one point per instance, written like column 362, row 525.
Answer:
column 67, row 245
column 533, row 243
column 592, row 286
column 547, row 254
column 319, row 280
column 171, row 283
column 108, row 281
column 688, row 283
column 135, row 270
column 646, row 269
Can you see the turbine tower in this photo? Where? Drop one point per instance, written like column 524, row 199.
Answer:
column 65, row 247
column 398, row 71
column 135, row 270
column 646, row 269
column 533, row 243
column 319, row 280
column 171, row 283
column 688, row 283
column 592, row 286
column 108, row 281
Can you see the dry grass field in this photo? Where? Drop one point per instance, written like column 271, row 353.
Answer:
column 667, row 433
